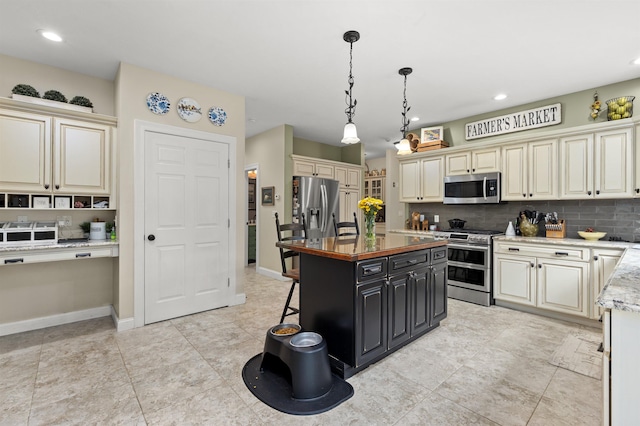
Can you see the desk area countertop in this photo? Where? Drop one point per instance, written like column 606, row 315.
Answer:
column 352, row 249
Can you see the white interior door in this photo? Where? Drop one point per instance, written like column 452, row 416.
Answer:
column 186, row 226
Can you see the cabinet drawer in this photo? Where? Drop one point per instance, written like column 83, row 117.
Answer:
column 410, row 260
column 23, row 257
column 542, row 250
column 371, row 269
column 439, row 255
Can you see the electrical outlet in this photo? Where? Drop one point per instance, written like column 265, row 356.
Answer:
column 436, row 218
column 22, row 219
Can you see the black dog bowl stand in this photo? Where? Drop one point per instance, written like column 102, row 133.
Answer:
column 306, row 356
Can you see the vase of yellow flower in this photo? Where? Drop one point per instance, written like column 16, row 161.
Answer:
column 370, row 207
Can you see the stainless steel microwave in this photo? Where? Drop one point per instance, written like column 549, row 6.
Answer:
column 481, row 188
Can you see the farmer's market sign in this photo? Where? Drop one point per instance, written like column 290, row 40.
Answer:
column 549, row 115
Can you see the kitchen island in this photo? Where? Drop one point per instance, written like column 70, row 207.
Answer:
column 368, row 299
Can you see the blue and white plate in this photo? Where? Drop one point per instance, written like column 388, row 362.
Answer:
column 217, row 116
column 189, row 110
column 158, row 103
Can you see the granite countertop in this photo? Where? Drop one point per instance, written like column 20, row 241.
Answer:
column 356, row 248
column 623, row 289
column 578, row 242
column 52, row 246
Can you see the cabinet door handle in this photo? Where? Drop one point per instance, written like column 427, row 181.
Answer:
column 562, row 253
column 151, row 237
column 79, row 255
column 8, row 261
column 637, row 190
column 532, row 265
column 595, row 257
column 46, row 186
column 514, row 249
column 539, row 266
column 598, row 192
column 530, row 195
column 524, row 195
column 372, row 269
column 57, row 186
column 588, row 192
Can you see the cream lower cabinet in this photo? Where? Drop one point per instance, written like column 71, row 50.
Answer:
column 604, row 261
column 422, row 180
column 554, row 278
column 44, row 154
column 636, row 189
column 530, row 171
column 597, row 165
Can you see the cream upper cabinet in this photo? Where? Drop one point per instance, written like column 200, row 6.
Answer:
column 82, row 153
column 348, row 205
column 374, row 187
column 25, row 152
column 45, row 154
column 312, row 168
column 421, row 180
column 475, row 161
column 597, row 165
column 348, row 177
column 530, row 171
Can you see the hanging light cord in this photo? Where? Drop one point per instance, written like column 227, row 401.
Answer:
column 351, row 105
column 405, row 109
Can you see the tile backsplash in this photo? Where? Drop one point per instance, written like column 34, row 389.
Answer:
column 618, row 218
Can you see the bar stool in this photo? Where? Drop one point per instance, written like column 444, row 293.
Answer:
column 298, row 232
column 339, row 226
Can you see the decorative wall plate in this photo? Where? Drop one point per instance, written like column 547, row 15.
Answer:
column 158, row 103
column 217, row 116
column 189, row 110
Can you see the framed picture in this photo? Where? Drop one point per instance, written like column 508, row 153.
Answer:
column 429, row 134
column 41, row 202
column 62, row 202
column 267, row 195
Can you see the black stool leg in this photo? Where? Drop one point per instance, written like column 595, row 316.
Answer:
column 286, row 306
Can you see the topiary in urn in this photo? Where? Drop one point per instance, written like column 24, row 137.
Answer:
column 25, row 90
column 54, row 95
column 81, row 101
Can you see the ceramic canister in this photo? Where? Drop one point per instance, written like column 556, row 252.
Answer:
column 97, row 231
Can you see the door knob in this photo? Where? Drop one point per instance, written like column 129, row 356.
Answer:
column 151, row 237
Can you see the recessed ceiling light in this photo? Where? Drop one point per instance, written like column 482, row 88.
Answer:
column 500, row 97
column 636, row 61
column 415, row 118
column 49, row 35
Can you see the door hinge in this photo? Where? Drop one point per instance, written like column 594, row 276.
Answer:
column 228, row 163
column 228, row 282
column 228, row 223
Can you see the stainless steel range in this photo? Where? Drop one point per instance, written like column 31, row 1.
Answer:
column 470, row 254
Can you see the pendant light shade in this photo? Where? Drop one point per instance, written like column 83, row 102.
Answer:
column 350, row 132
column 404, row 147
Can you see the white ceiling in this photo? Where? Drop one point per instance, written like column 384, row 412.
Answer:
column 288, row 58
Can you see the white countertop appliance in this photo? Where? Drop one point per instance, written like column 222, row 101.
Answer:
column 16, row 233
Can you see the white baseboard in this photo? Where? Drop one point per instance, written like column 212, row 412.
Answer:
column 271, row 274
column 238, row 299
column 121, row 324
column 53, row 320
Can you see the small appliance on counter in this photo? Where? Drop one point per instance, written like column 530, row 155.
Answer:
column 16, row 233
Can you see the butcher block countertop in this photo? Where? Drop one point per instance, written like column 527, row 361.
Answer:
column 351, row 248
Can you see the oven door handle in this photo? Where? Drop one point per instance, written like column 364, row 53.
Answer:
column 468, row 265
column 468, row 247
column 484, row 188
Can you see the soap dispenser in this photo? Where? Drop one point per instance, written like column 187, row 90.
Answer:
column 510, row 232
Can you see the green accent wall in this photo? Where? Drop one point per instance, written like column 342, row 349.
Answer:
column 575, row 112
column 353, row 154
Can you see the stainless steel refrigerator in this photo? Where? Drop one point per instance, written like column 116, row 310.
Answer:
column 318, row 199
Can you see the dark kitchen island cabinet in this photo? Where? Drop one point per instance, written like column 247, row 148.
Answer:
column 369, row 301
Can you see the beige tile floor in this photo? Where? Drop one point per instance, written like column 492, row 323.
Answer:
column 483, row 365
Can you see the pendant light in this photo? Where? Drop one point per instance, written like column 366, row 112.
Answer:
column 350, row 132
column 404, row 147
